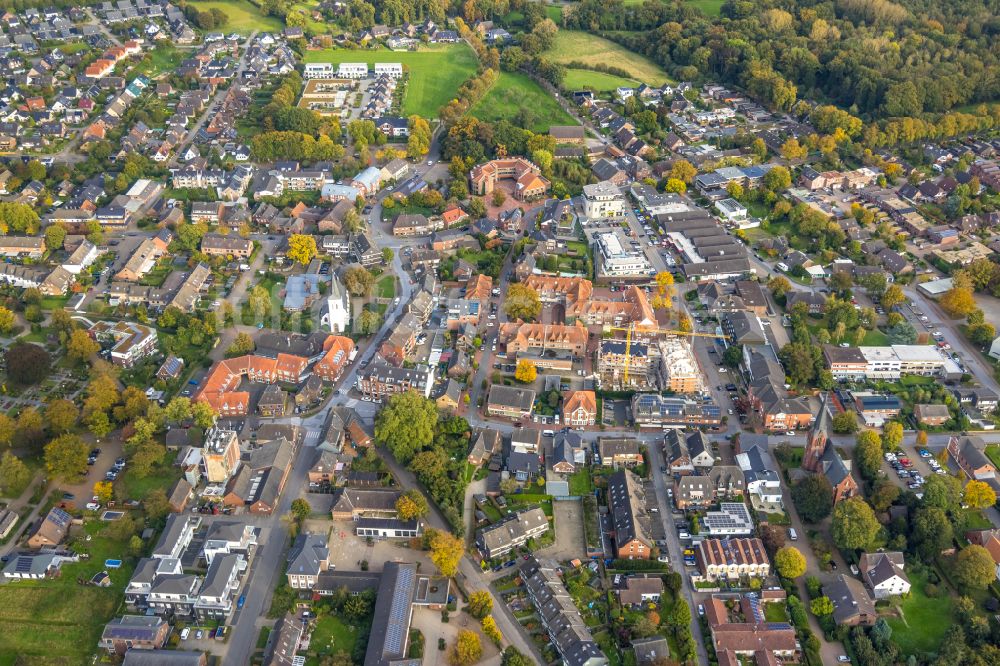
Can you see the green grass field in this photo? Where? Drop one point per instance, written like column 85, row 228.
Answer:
column 516, row 92
column 386, row 287
column 926, row 619
column 708, row 7
column 163, row 58
column 585, row 79
column 243, row 17
column 436, row 72
column 581, row 47
column 333, row 635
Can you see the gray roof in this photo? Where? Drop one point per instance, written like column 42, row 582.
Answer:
column 306, row 556
column 849, row 598
column 218, row 574
column 391, row 622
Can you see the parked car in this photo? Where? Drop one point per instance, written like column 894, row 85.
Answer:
column 185, row 633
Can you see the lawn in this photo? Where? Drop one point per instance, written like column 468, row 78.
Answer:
column 775, row 612
column 580, row 483
column 515, row 94
column 162, row 476
column 591, row 50
column 435, row 72
column 993, row 453
column 241, row 16
column 163, row 58
column 386, row 287
column 926, row 619
column 585, row 79
column 875, row 338
column 333, row 634
column 708, row 7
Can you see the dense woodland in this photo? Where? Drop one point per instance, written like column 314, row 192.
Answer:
column 873, row 57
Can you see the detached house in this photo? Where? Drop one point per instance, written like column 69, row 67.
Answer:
column 883, row 574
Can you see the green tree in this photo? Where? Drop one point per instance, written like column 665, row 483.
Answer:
column 55, row 236
column 884, row 494
column 156, row 504
column 821, row 606
column 203, row 414
column 974, row 567
column 813, row 498
column 868, row 453
column 66, row 457
column 300, row 509
column 359, row 281
column 14, row 474
column 854, row 524
column 789, row 562
column 406, row 425
column 369, row 322
column 931, row 532
column 943, row 491
column 845, row 423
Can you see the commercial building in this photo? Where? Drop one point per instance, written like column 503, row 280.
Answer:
column 510, row 402
column 616, row 261
column 891, row 362
column 603, row 200
column 382, row 380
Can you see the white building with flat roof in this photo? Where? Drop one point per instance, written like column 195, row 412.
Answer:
column 897, row 360
column 616, row 261
column 391, row 69
column 319, row 70
column 602, row 200
column 352, row 70
column 731, row 210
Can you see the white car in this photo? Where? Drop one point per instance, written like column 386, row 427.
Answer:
column 185, row 633
column 663, row 558
column 790, row 433
column 93, row 506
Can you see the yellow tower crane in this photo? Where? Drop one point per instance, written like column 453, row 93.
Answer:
column 655, row 331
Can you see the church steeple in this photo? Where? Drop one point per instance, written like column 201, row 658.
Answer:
column 817, row 438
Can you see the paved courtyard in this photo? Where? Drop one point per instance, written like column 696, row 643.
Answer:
column 347, row 550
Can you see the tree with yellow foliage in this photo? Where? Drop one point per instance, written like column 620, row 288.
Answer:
column 104, row 491
column 979, row 495
column 792, row 150
column 411, row 505
column 467, row 649
column 446, row 551
column 491, row 630
column 664, row 290
column 683, row 171
column 301, row 248
column 526, row 372
column 684, row 322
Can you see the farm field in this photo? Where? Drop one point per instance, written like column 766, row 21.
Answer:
column 242, row 16
column 581, row 47
column 708, row 7
column 436, row 72
column 585, row 79
column 517, row 93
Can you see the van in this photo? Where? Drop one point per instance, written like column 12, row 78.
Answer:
column 548, row 433
column 792, row 534
column 782, row 266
